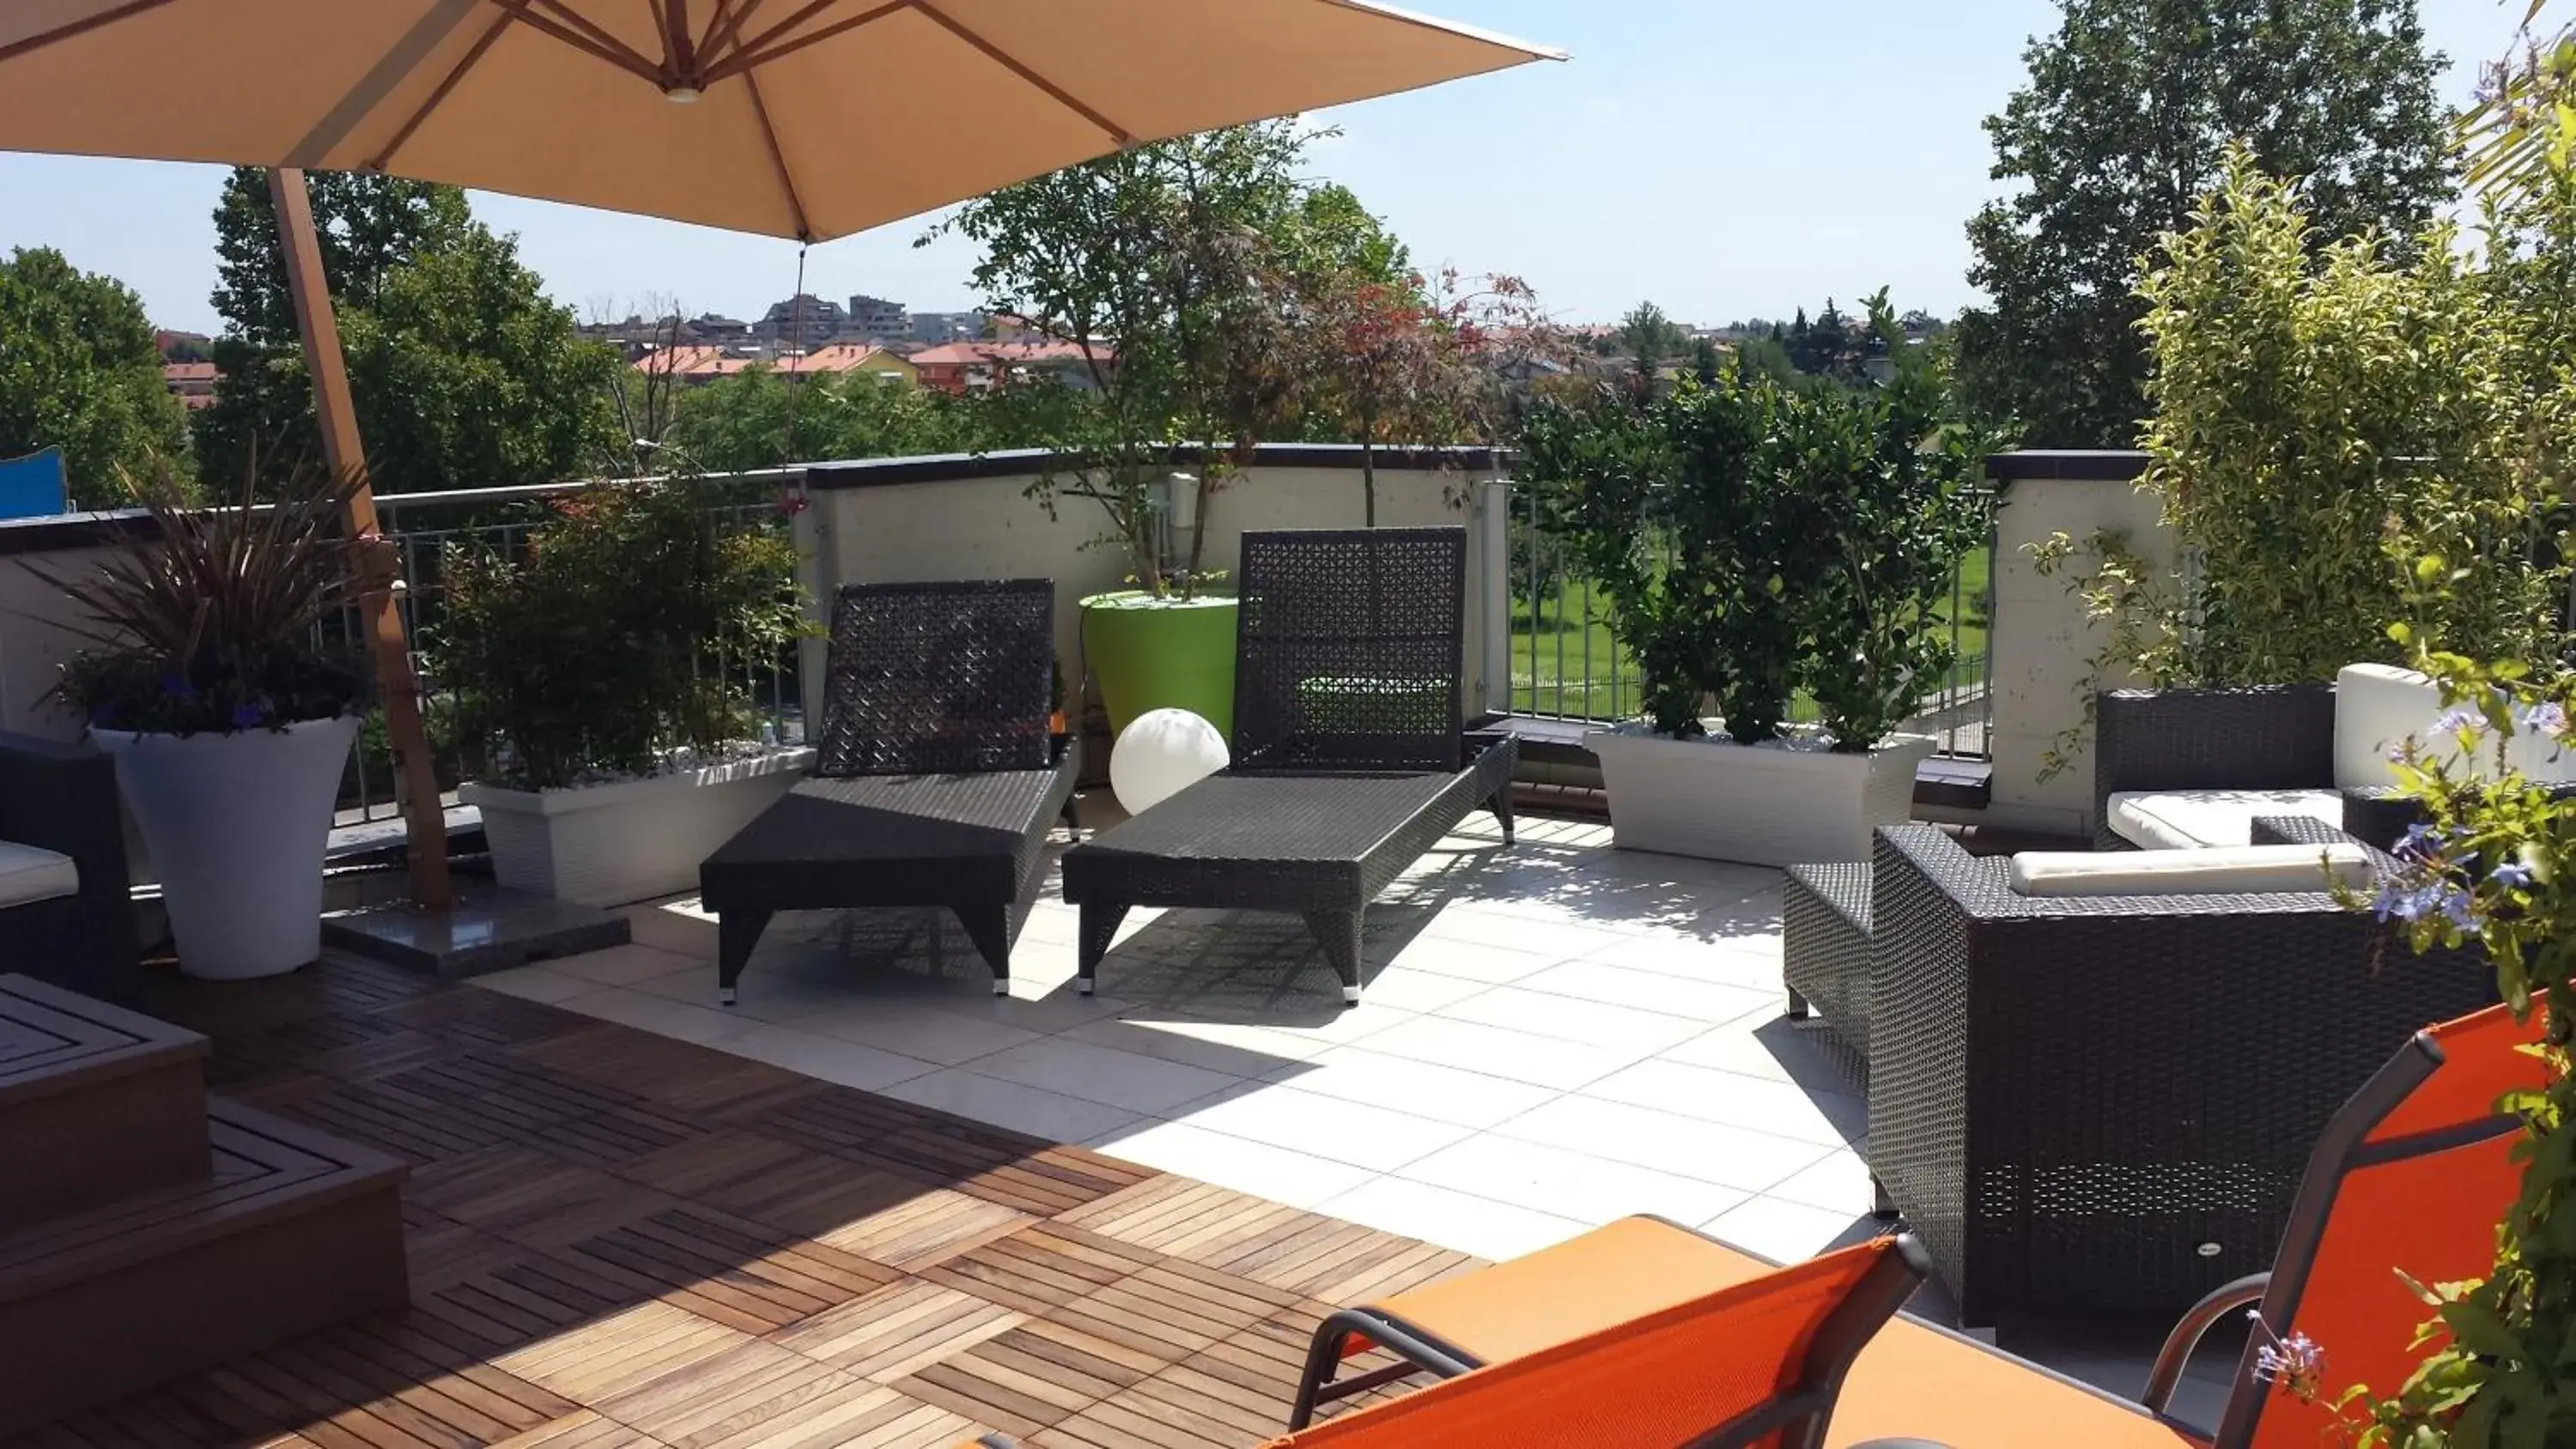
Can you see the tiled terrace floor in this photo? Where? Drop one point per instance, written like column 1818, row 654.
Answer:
column 621, row 1241
column 1553, row 1036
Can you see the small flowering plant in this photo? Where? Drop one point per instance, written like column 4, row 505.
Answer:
column 213, row 620
column 2493, row 863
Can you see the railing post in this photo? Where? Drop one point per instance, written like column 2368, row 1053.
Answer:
column 1493, row 520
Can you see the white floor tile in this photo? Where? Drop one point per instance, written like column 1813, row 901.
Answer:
column 904, row 1024
column 1752, row 1102
column 1407, row 989
column 1740, row 962
column 535, row 983
column 1443, row 1094
column 1461, row 1222
column 628, row 965
column 1038, row 1113
column 1496, row 1052
column 1297, row 1179
column 1378, row 1138
column 659, row 1014
column 1767, row 1044
column 1838, row 1183
column 826, row 1058
column 1131, row 1080
column 1589, row 1190
column 1710, row 1152
column 1478, row 926
column 1220, row 1046
column 1604, row 980
column 1567, row 1018
column 1788, row 1232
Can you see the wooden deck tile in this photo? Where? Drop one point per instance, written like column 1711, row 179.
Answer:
column 620, row 1241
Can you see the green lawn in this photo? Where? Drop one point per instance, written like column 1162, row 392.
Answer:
column 1564, row 662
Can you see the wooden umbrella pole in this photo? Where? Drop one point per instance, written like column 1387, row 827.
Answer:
column 379, row 574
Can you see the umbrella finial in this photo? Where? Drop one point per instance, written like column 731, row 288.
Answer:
column 680, row 95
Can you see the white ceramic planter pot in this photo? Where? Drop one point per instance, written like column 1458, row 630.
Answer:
column 613, row 845
column 237, row 825
column 1759, row 804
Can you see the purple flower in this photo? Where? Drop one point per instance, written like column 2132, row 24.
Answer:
column 2458, row 720
column 177, row 686
column 2548, row 717
column 2295, row 1365
column 2418, row 844
column 2512, row 875
column 248, row 716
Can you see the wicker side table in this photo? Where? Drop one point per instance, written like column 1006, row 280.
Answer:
column 1825, row 948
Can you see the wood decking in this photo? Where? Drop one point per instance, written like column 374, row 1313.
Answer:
column 619, row 1240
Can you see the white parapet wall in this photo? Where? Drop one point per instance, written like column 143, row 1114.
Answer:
column 2045, row 646
column 924, row 519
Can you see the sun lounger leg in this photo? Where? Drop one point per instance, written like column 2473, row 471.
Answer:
column 1099, row 925
column 736, row 933
column 1339, row 934
column 1501, row 805
column 989, row 927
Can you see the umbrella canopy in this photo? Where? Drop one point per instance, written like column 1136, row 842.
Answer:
column 799, row 118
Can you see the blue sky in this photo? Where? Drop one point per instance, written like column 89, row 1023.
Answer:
column 1722, row 157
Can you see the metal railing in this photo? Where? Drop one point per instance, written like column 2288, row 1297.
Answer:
column 424, row 526
column 1565, row 664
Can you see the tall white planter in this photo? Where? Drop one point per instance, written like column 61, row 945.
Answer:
column 237, row 825
column 615, row 844
column 1790, row 803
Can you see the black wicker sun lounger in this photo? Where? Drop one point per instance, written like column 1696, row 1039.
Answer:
column 934, row 785
column 1349, row 761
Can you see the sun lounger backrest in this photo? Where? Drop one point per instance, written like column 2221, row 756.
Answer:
column 1758, row 1364
column 935, row 679
column 1349, row 650
column 2413, row 1175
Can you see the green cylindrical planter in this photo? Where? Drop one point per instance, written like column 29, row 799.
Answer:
column 1151, row 654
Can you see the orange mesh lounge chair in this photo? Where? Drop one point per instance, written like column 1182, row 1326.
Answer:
column 1754, row 1365
column 2414, row 1174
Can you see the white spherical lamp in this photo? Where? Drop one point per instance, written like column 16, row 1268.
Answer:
column 1160, row 754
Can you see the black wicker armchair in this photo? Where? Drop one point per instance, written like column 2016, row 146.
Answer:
column 2105, row 1103
column 936, row 780
column 1349, row 759
column 62, row 798
column 2265, row 737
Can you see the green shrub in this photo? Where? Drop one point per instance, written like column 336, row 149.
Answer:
column 625, row 627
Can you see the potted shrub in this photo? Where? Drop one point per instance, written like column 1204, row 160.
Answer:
column 228, row 719
column 1754, row 541
column 602, row 680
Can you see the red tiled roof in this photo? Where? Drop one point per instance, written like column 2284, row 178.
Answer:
column 968, row 354
column 179, row 372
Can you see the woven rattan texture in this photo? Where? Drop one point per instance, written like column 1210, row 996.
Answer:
column 2273, row 737
column 1350, row 649
column 1825, row 949
column 2106, row 1104
column 939, row 678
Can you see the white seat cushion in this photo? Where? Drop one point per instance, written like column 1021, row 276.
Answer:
column 2199, row 819
column 2378, row 709
column 2235, row 870
column 28, row 874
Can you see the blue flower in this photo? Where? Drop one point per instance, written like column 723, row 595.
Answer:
column 2461, row 911
column 248, row 716
column 2512, row 875
column 2458, row 720
column 177, row 686
column 2417, row 844
column 2548, row 717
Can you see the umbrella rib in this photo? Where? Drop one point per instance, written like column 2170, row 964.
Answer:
column 1011, row 63
column 385, row 156
column 778, row 157
column 724, row 26
column 614, row 52
column 132, row 8
column 749, row 54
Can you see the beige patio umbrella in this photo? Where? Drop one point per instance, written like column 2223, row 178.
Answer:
column 809, row 119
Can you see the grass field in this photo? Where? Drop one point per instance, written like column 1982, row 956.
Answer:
column 1564, row 662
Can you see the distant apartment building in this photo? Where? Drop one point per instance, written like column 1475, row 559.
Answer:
column 192, row 383
column 803, row 321
column 878, row 320
column 939, row 329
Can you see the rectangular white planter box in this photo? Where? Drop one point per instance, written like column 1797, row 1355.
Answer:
column 1758, row 804
column 612, row 845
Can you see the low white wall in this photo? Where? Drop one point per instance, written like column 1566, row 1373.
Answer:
column 987, row 528
column 2044, row 645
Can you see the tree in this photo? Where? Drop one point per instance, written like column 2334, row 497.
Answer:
column 2121, row 128
column 1157, row 261
column 79, row 372
column 741, row 422
column 1649, row 336
column 464, row 375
